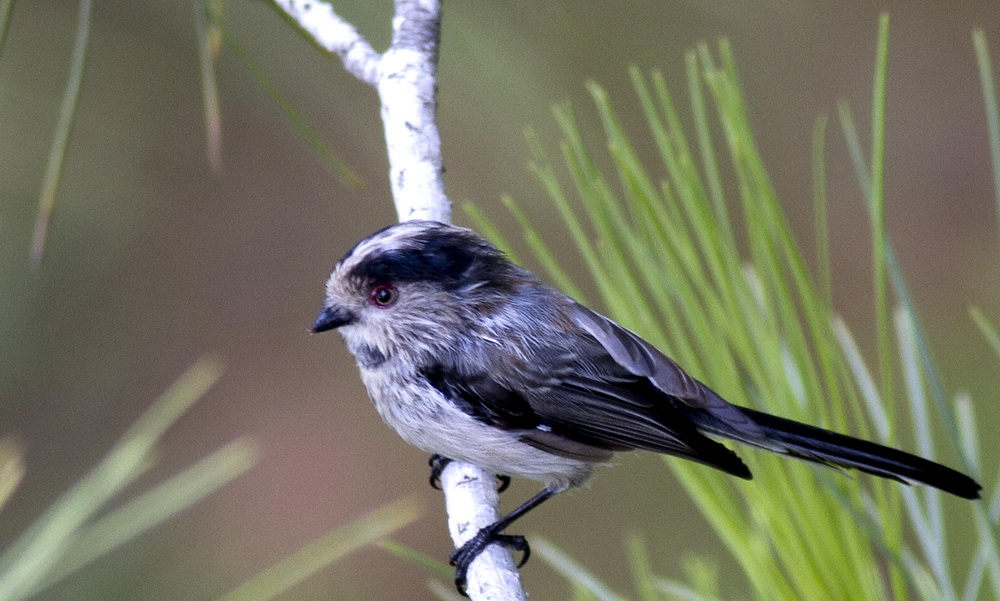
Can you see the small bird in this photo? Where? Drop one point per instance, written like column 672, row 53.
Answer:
column 473, row 358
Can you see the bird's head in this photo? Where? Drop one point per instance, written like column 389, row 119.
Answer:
column 411, row 285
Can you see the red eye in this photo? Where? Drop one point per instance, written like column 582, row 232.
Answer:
column 384, row 295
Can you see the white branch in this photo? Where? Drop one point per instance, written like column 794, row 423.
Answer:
column 408, row 89
column 406, row 80
column 336, row 35
column 473, row 503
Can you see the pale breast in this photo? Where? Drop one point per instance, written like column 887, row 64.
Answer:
column 427, row 420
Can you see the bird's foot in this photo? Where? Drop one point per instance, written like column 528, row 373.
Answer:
column 463, row 557
column 439, row 462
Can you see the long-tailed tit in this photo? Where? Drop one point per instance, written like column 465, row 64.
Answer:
column 473, row 358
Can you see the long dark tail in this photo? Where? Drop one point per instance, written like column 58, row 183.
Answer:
column 822, row 446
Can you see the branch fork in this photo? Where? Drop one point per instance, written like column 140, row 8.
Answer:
column 405, row 77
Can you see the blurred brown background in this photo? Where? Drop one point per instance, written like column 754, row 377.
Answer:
column 154, row 260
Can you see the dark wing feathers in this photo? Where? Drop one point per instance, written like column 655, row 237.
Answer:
column 636, row 355
column 641, row 358
column 619, row 403
column 483, row 397
column 613, row 392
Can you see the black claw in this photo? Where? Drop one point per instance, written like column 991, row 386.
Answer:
column 519, row 543
column 437, row 463
column 463, row 557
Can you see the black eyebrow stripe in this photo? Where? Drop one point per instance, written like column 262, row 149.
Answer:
column 442, row 264
column 451, row 258
column 445, row 257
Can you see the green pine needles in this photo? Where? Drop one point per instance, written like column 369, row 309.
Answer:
column 743, row 312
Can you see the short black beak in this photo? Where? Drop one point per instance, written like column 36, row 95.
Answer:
column 331, row 318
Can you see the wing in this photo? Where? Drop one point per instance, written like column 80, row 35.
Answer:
column 642, row 359
column 607, row 390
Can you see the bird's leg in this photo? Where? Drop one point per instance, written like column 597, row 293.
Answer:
column 463, row 557
column 439, row 462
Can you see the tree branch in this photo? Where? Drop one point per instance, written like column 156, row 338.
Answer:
column 473, row 503
column 407, row 87
column 336, row 35
column 406, row 80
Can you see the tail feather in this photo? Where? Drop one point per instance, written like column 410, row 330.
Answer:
column 822, row 446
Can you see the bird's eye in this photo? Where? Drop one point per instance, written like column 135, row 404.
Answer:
column 384, row 295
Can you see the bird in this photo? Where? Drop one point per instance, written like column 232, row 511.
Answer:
column 471, row 357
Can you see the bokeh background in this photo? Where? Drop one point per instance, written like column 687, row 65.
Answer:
column 154, row 259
